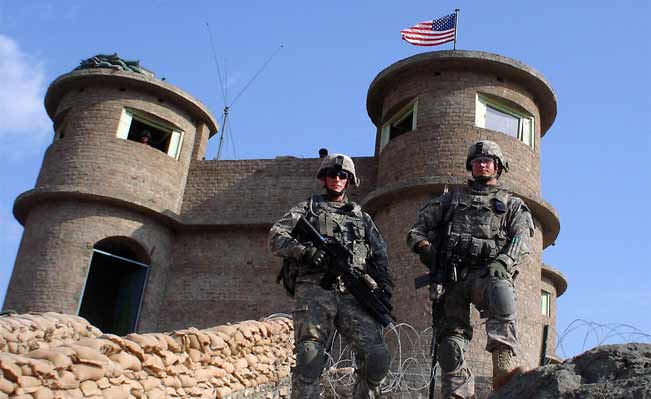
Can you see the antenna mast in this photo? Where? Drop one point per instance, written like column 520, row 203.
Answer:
column 221, row 83
column 221, row 137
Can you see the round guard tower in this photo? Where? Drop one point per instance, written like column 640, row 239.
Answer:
column 105, row 198
column 428, row 109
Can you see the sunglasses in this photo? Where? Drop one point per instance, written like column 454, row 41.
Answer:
column 341, row 174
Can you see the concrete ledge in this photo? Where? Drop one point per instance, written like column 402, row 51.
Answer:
column 555, row 276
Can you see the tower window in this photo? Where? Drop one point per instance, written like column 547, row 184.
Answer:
column 546, row 303
column 137, row 127
column 402, row 122
column 497, row 114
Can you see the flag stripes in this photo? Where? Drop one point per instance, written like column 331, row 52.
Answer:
column 431, row 33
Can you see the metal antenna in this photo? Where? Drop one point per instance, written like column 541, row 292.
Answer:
column 257, row 73
column 223, row 89
column 227, row 106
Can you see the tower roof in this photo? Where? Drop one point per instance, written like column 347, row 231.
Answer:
column 507, row 68
column 80, row 78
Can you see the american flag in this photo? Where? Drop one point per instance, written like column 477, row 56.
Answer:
column 431, row 33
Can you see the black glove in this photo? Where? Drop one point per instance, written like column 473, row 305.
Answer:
column 427, row 255
column 498, row 269
column 313, row 257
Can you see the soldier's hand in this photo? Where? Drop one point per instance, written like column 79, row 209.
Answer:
column 314, row 257
column 427, row 255
column 497, row 269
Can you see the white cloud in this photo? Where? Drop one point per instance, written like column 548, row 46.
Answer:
column 22, row 89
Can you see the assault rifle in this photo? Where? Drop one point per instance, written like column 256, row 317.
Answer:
column 362, row 286
column 444, row 271
column 434, row 279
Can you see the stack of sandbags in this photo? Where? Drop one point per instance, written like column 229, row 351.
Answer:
column 189, row 363
column 255, row 353
column 27, row 332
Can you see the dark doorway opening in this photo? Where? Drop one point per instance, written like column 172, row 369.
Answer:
column 113, row 292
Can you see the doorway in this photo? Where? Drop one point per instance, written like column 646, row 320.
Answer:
column 114, row 288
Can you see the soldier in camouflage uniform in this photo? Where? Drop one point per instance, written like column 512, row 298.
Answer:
column 481, row 230
column 319, row 311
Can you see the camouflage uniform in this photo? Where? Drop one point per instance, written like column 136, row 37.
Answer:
column 319, row 311
column 486, row 223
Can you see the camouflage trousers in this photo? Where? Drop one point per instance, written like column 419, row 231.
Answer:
column 317, row 314
column 496, row 301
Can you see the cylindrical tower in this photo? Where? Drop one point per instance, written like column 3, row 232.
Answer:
column 428, row 109
column 100, row 221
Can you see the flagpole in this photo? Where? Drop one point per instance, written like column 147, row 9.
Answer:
column 456, row 27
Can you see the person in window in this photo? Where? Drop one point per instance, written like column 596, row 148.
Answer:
column 319, row 310
column 145, row 137
column 472, row 239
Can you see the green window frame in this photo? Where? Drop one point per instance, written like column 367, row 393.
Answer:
column 171, row 137
column 545, row 303
column 404, row 121
column 485, row 105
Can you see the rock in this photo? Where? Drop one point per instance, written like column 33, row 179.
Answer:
column 605, row 372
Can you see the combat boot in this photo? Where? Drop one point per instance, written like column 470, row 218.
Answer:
column 504, row 368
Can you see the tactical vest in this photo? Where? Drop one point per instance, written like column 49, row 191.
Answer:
column 478, row 226
column 343, row 223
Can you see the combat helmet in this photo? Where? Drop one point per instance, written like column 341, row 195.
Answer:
column 339, row 162
column 487, row 148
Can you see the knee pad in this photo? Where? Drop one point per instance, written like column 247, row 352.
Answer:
column 378, row 360
column 450, row 354
column 310, row 359
column 501, row 300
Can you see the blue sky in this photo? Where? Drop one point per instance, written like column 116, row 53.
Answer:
column 595, row 158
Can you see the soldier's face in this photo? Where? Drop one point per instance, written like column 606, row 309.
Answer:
column 336, row 181
column 483, row 166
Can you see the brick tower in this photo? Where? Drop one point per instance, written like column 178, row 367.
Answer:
column 101, row 191
column 428, row 109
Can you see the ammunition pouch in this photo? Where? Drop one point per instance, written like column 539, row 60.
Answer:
column 470, row 250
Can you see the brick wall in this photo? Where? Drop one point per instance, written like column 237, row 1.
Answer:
column 222, row 276
column 257, row 191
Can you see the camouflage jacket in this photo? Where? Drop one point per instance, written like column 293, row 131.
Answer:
column 478, row 223
column 345, row 222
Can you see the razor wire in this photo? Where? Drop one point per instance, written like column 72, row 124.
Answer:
column 594, row 334
column 409, row 371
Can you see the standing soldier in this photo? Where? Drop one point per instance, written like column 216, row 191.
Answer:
column 320, row 310
column 472, row 239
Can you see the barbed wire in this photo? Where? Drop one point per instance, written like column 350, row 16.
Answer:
column 409, row 373
column 596, row 334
